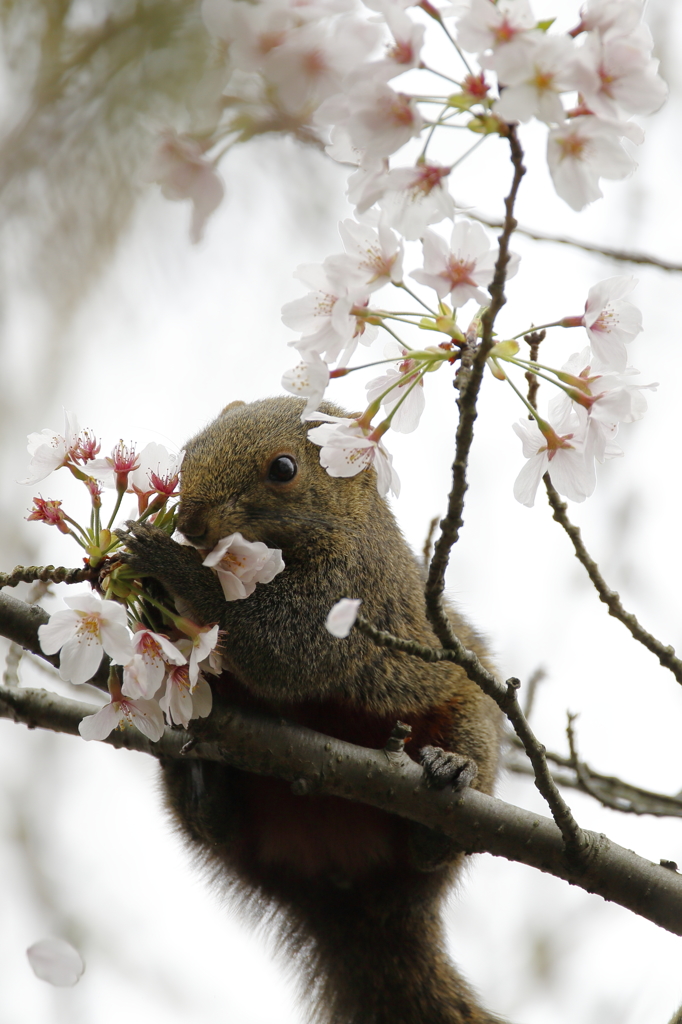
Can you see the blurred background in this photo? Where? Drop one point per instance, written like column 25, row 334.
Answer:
column 106, row 308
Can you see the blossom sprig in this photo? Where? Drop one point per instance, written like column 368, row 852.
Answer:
column 595, row 395
column 164, row 657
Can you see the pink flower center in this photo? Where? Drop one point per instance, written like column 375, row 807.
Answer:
column 400, row 111
column 505, row 32
column 401, row 53
column 543, row 80
column 572, row 146
column 429, row 177
column 314, row 63
column 459, row 272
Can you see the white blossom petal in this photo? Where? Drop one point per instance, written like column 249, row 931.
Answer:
column 341, row 618
column 55, row 961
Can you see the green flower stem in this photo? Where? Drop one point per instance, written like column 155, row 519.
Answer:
column 425, row 67
column 117, row 506
column 463, row 157
column 78, row 527
column 454, row 42
column 525, row 401
column 385, row 424
column 416, row 298
column 445, row 107
column 393, row 335
column 540, row 327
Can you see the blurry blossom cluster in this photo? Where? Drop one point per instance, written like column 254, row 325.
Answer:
column 164, row 655
column 327, row 69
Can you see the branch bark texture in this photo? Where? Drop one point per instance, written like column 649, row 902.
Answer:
column 390, row 780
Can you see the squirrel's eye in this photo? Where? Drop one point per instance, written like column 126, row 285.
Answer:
column 282, row 469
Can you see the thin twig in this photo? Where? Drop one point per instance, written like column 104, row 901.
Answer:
column 428, row 542
column 505, row 696
column 665, row 654
column 622, row 255
column 45, row 574
column 469, row 379
column 536, row 678
column 609, row 790
column 533, row 340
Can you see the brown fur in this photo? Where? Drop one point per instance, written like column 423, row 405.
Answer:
column 356, row 891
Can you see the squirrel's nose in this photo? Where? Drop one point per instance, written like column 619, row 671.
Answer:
column 194, row 527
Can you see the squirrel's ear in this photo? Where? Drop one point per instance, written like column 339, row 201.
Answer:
column 232, row 405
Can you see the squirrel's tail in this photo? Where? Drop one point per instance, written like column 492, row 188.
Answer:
column 369, row 957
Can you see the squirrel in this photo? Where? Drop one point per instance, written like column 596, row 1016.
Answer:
column 356, row 890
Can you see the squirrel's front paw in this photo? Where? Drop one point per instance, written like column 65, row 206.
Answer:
column 443, row 768
column 148, row 548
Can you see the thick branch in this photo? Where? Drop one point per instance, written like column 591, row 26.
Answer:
column 665, row 654
column 393, row 782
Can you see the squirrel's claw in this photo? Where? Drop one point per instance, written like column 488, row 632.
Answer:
column 444, row 767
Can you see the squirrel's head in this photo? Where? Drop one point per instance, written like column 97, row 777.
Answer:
column 254, row 471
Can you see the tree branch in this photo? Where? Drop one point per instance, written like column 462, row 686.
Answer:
column 666, row 655
column 505, row 697
column 613, row 254
column 609, row 790
column 390, row 780
column 46, row 574
column 469, row 377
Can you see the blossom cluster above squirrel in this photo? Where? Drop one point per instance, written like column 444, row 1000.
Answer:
column 371, row 80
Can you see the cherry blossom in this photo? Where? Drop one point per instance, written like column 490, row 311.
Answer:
column 377, row 119
column 83, row 633
column 144, row 715
column 627, row 79
column 534, row 83
column 181, row 170
column 113, row 470
column 500, row 27
column 329, row 314
column 611, row 320
column 584, row 150
column 50, row 451
column 55, row 961
column 463, row 268
column 157, row 472
column 368, row 184
column 198, row 646
column 621, row 16
column 341, row 618
column 561, row 455
column 308, row 380
column 408, row 38
column 373, row 256
column 415, row 197
column 600, row 393
column 406, row 418
column 183, row 701
column 310, row 64
column 49, row 512
column 154, row 652
column 347, row 449
column 240, row 564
